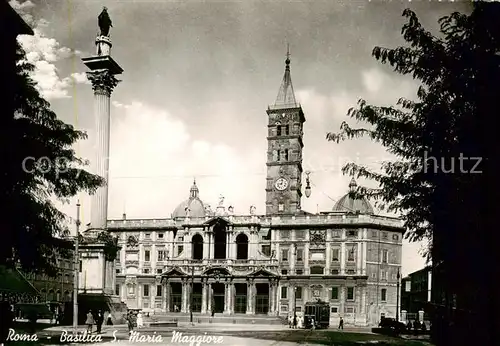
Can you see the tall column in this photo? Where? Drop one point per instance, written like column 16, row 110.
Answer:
column 358, row 259
column 166, row 297
column 342, row 258
column 226, row 298
column 184, row 305
column 204, row 297
column 209, row 298
column 102, row 76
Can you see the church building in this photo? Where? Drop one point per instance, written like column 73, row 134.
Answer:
column 215, row 261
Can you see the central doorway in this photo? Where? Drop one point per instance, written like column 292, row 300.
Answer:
column 218, row 298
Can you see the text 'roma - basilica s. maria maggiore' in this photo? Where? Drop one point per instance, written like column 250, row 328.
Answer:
column 248, row 264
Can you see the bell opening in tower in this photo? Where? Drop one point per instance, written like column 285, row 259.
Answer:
column 220, row 241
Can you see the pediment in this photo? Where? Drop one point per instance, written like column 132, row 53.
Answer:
column 174, row 272
column 217, row 219
column 262, row 273
column 213, row 271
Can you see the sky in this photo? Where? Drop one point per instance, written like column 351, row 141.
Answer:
column 198, row 78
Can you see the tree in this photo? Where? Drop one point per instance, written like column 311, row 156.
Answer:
column 30, row 221
column 441, row 181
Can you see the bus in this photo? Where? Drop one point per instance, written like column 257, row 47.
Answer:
column 319, row 312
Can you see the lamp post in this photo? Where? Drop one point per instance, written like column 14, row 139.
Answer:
column 191, row 296
column 397, row 296
column 77, row 269
column 295, row 306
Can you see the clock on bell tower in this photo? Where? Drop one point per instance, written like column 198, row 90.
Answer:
column 284, row 154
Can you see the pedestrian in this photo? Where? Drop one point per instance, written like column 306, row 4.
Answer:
column 130, row 322
column 140, row 320
column 89, row 322
column 341, row 323
column 99, row 320
column 313, row 325
column 295, row 321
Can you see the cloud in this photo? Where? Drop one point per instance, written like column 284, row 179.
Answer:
column 154, row 159
column 373, row 80
column 44, row 52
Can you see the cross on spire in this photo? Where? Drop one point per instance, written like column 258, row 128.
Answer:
column 286, row 95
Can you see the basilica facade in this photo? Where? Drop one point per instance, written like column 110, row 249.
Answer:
column 215, row 261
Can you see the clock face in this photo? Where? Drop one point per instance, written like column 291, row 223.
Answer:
column 281, row 184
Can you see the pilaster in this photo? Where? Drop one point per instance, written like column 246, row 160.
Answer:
column 204, row 297
column 342, row 257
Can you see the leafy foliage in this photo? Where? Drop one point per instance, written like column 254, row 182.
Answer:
column 31, row 220
column 446, row 161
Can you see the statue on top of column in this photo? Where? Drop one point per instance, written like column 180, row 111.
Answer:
column 104, row 22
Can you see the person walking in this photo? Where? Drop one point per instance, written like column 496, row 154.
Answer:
column 140, row 320
column 89, row 321
column 341, row 323
column 130, row 322
column 99, row 320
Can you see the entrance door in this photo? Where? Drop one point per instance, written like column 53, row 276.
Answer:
column 262, row 299
column 218, row 298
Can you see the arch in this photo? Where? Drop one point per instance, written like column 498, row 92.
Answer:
column 242, row 246
column 67, row 296
column 220, row 241
column 58, row 295
column 51, row 296
column 197, row 246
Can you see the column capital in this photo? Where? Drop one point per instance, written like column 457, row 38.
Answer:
column 103, row 81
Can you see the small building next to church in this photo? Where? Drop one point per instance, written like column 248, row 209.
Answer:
column 269, row 264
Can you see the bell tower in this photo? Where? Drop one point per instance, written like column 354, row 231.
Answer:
column 284, row 150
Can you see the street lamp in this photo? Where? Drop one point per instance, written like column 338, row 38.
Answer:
column 77, row 270
column 295, row 307
column 397, row 296
column 308, row 185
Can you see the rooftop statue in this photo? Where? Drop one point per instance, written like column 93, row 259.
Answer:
column 104, row 22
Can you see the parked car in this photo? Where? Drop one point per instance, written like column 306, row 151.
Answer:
column 391, row 323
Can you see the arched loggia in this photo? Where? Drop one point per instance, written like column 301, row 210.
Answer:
column 242, row 247
column 197, row 243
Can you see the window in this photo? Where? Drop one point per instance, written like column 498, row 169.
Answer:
column 385, row 256
column 299, row 234
column 351, row 272
column 284, row 235
column 350, row 254
column 316, row 270
column 374, row 234
column 335, row 293
column 285, row 130
column 278, row 130
column 352, row 234
column 300, row 255
column 159, row 271
column 335, row 255
column 181, row 239
column 81, row 266
column 384, row 235
column 160, row 235
column 408, row 286
column 281, row 207
column 180, row 248
column 162, row 255
column 284, row 271
column 147, row 256
column 336, row 234
column 384, row 275
column 147, row 235
column 350, row 293
column 349, row 310
column 298, row 292
column 145, row 271
column 284, row 291
column 299, row 272
column 286, row 154
column 374, row 276
column 334, row 309
column 146, row 291
column 383, row 294
column 298, row 308
column 117, row 290
column 284, row 255
column 159, row 290
column 266, row 250
column 395, row 237
column 117, row 271
column 335, row 272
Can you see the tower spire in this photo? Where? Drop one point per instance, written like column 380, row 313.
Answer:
column 193, row 193
column 286, row 95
